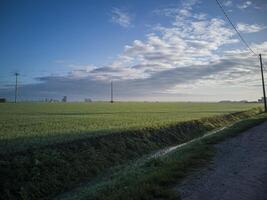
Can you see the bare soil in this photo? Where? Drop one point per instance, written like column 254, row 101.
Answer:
column 238, row 171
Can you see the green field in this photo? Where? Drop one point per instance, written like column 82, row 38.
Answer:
column 25, row 124
column 50, row 148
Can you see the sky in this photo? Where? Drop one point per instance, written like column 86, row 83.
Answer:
column 153, row 50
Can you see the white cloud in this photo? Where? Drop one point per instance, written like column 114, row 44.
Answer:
column 237, row 76
column 183, row 10
column 234, row 75
column 250, row 28
column 227, row 3
column 168, row 12
column 191, row 40
column 187, row 42
column 120, row 17
column 183, row 58
column 245, row 5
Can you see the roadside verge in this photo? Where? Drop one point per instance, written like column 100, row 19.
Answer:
column 153, row 177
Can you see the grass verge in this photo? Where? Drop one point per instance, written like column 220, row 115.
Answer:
column 42, row 173
column 153, row 179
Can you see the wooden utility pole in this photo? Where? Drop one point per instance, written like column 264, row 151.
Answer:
column 263, row 85
column 111, row 92
column 16, row 87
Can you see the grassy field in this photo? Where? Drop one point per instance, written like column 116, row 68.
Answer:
column 25, row 124
column 47, row 149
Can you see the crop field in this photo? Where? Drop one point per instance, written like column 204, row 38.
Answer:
column 26, row 124
column 57, row 120
column 49, row 148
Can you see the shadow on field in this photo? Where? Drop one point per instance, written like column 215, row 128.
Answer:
column 42, row 172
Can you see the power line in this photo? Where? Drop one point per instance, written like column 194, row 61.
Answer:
column 16, row 87
column 244, row 41
column 263, row 85
column 238, row 33
column 111, row 92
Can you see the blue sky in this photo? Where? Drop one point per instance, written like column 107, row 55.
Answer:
column 169, row 50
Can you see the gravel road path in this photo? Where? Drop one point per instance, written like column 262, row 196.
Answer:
column 238, row 172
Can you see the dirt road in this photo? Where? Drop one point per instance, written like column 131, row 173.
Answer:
column 238, row 172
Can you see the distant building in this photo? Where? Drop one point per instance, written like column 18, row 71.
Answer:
column 261, row 100
column 2, row 100
column 51, row 100
column 225, row 101
column 64, row 99
column 87, row 100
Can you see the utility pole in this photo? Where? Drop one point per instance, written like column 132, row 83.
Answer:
column 16, row 87
column 263, row 85
column 111, row 92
